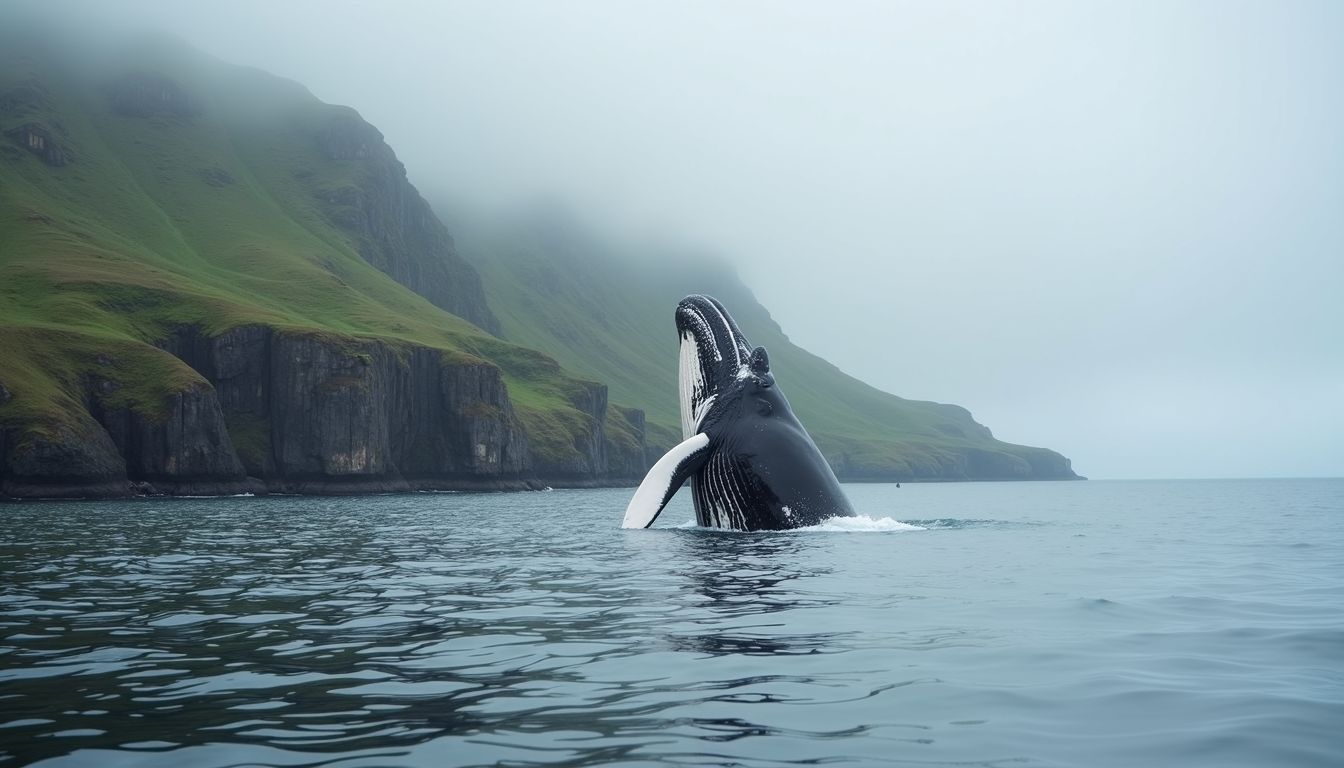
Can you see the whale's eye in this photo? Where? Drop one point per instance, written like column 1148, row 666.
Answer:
column 763, row 407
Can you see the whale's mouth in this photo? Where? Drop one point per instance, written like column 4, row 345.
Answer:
column 713, row 353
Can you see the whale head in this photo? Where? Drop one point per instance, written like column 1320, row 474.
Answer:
column 715, row 361
column 751, row 464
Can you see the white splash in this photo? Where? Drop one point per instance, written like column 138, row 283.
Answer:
column 216, row 496
column 863, row 524
column 859, row 524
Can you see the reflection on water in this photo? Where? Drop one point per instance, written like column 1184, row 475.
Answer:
column 528, row 629
column 273, row 624
column 741, row 576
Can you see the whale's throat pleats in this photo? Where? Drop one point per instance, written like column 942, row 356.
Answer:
column 725, row 496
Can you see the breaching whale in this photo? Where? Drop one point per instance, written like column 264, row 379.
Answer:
column 751, row 464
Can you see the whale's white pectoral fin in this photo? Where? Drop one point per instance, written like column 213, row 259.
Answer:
column 663, row 480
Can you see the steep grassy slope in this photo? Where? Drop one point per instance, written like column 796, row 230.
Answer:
column 557, row 287
column 148, row 192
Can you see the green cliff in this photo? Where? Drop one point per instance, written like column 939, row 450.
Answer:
column 210, row 281
column 606, row 312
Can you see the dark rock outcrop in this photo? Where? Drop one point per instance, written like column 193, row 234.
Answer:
column 319, row 414
column 308, row 413
column 392, row 225
column 72, row 460
column 628, row 454
column 111, row 449
column 41, row 142
column 608, row 445
column 186, row 450
column 589, row 457
column 29, row 105
column 1048, row 465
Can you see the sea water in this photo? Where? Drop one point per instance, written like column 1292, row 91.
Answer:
column 1195, row 623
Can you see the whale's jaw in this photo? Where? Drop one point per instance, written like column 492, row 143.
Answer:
column 713, row 353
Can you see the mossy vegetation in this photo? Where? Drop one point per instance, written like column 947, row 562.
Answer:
column 216, row 215
column 606, row 311
column 226, row 199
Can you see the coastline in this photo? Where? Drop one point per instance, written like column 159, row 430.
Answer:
column 18, row 493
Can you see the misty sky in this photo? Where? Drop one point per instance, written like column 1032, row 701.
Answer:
column 1111, row 229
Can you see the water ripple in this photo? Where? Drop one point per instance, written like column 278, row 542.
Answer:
column 1044, row 628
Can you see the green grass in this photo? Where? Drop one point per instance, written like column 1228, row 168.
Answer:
column 607, row 313
column 225, row 218
column 130, row 240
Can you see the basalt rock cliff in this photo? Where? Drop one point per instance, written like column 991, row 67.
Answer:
column 391, row 224
column 298, row 412
column 213, row 283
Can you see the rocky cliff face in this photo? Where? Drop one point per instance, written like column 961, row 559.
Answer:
column 264, row 409
column 305, row 413
column 103, row 447
column 392, row 225
column 159, row 188
column 607, row 444
column 318, row 414
column 589, row 457
column 922, row 461
column 72, row 460
column 186, row 450
column 630, row 452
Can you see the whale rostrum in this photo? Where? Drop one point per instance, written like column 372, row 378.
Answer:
column 751, row 464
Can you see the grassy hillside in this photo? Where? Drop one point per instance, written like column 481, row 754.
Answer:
column 608, row 314
column 172, row 190
column 151, row 189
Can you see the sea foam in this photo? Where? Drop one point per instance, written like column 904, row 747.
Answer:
column 857, row 524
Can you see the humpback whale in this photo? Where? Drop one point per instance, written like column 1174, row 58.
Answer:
column 751, row 464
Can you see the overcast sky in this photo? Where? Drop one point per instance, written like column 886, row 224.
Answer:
column 1111, row 229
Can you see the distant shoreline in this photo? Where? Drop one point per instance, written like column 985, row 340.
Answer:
column 320, row 488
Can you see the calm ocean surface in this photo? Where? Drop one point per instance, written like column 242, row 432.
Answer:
column 1194, row 623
